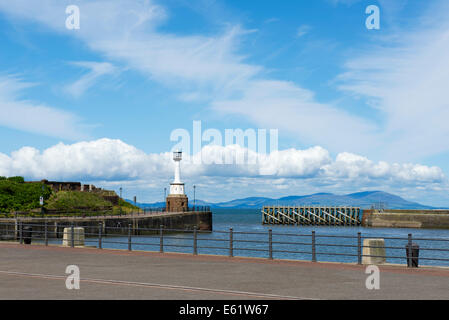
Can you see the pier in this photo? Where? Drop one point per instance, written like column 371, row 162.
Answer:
column 312, row 215
column 54, row 226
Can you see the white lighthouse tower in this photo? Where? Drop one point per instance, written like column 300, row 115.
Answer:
column 177, row 187
column 177, row 200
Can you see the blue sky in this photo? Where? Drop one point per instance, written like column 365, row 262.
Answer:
column 356, row 109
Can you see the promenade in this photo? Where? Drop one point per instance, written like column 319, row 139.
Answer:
column 38, row 272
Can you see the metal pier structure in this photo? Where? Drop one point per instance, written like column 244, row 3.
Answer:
column 310, row 215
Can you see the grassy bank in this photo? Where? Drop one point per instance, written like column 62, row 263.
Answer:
column 18, row 196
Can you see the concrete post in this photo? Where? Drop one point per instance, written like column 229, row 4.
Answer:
column 374, row 251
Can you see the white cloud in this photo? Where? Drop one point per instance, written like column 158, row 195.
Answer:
column 302, row 30
column 202, row 68
column 114, row 160
column 281, row 104
column 352, row 166
column 34, row 117
column 406, row 81
column 97, row 69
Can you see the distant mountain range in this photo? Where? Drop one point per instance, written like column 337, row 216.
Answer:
column 360, row 199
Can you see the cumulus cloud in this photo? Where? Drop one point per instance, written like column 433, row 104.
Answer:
column 352, row 166
column 114, row 160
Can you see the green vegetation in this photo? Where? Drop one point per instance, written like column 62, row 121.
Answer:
column 124, row 207
column 15, row 195
column 70, row 200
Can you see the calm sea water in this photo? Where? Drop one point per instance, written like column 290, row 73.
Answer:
column 290, row 242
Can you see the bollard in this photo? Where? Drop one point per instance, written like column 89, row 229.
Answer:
column 313, row 247
column 412, row 253
column 46, row 234
column 129, row 237
column 27, row 234
column 408, row 253
column 359, row 248
column 195, row 241
column 231, row 243
column 161, row 236
column 100, row 228
column 72, row 231
column 270, row 244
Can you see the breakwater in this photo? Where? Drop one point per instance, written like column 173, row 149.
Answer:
column 406, row 219
column 311, row 215
column 201, row 220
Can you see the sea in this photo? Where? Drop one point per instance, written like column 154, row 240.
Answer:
column 250, row 239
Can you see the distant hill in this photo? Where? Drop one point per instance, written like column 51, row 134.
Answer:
column 360, row 199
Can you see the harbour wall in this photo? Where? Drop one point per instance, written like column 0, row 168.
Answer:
column 438, row 219
column 202, row 220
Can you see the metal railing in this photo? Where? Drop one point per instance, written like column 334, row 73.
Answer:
column 188, row 209
column 86, row 214
column 266, row 244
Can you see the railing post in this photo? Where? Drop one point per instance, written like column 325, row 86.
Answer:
column 195, row 241
column 161, row 236
column 313, row 247
column 270, row 244
column 100, row 231
column 409, row 251
column 359, row 248
column 21, row 232
column 231, row 242
column 129, row 237
column 46, row 233
column 72, row 231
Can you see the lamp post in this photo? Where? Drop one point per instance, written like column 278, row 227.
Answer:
column 120, row 201
column 194, row 197
column 165, row 198
column 41, row 200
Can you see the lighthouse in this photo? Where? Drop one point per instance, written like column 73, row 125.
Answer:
column 177, row 200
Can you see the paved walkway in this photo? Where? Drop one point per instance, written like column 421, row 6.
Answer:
column 38, row 272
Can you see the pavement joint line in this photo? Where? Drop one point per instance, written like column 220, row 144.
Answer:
column 156, row 285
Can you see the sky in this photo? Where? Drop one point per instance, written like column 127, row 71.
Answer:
column 354, row 109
